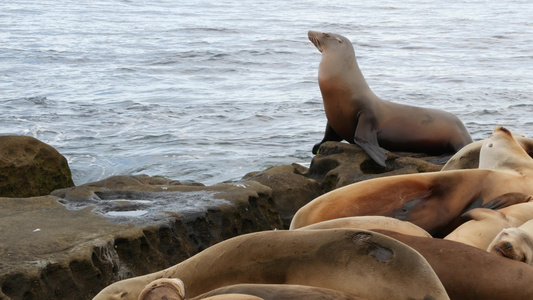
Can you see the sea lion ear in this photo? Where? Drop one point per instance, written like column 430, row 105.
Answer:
column 339, row 40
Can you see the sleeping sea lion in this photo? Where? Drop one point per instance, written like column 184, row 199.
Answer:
column 515, row 243
column 363, row 263
column 484, row 224
column 369, row 223
column 472, row 274
column 281, row 292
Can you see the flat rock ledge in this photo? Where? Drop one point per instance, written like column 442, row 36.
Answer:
column 75, row 241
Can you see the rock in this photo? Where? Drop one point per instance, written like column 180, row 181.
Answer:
column 290, row 188
column 77, row 240
column 72, row 244
column 339, row 164
column 29, row 167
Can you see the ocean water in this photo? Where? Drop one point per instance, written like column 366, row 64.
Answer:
column 209, row 91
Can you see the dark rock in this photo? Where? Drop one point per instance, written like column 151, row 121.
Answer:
column 290, row 189
column 29, row 167
column 339, row 164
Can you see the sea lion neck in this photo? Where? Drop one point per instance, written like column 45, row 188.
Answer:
column 338, row 69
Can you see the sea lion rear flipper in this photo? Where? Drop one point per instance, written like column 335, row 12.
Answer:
column 507, row 200
column 329, row 135
column 366, row 137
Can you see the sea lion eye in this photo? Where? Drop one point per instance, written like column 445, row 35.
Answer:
column 325, row 34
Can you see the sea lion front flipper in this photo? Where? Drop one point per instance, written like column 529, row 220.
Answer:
column 480, row 214
column 366, row 137
column 329, row 135
column 507, row 200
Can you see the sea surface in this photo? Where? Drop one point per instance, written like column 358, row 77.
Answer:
column 209, row 91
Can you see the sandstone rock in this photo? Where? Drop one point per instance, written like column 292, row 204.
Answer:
column 290, row 188
column 77, row 240
column 29, row 167
column 72, row 244
column 339, row 164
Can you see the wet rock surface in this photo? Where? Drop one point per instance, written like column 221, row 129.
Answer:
column 72, row 243
column 70, row 246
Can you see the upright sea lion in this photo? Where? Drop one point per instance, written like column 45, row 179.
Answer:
column 357, row 115
column 472, row 274
column 484, row 224
column 515, row 243
column 363, row 263
column 432, row 200
column 370, row 223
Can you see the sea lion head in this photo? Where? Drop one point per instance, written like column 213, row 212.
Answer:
column 513, row 243
column 325, row 41
column 502, row 151
column 338, row 66
column 164, row 288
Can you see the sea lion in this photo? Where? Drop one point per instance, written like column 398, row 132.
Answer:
column 468, row 156
column 357, row 115
column 363, row 263
column 515, row 243
column 497, row 153
column 164, row 288
column 174, row 289
column 484, row 224
column 281, row 292
column 470, row 273
column 232, row 297
column 434, row 200
column 369, row 223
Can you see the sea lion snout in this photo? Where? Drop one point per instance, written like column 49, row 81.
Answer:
column 502, row 129
column 314, row 37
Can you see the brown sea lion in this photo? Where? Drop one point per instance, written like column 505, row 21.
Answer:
column 370, row 222
column 499, row 153
column 357, row 115
column 363, row 263
column 231, row 297
column 470, row 273
column 164, row 288
column 434, row 200
column 281, row 292
column 468, row 156
column 515, row 243
column 484, row 224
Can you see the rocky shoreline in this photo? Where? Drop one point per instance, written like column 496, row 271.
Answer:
column 61, row 241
